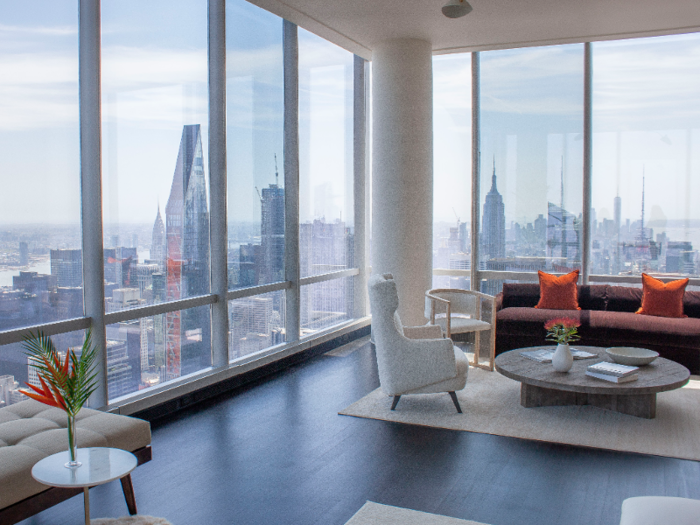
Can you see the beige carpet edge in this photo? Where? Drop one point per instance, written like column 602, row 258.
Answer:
column 372, row 513
column 491, row 405
column 131, row 520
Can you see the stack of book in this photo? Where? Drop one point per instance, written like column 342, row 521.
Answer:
column 613, row 372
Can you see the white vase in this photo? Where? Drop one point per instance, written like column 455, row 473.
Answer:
column 562, row 360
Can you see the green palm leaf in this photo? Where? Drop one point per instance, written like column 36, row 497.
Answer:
column 75, row 382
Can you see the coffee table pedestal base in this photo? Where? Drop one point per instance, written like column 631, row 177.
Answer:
column 639, row 405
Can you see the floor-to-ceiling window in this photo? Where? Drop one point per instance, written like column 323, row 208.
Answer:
column 531, row 160
column 41, row 278
column 452, row 171
column 326, row 211
column 646, row 156
column 256, row 189
column 155, row 196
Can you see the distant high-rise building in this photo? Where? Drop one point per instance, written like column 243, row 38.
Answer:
column 158, row 280
column 272, row 234
column 67, row 266
column 158, row 242
column 493, row 223
column 33, row 282
column 540, row 226
column 617, row 207
column 249, row 264
column 562, row 236
column 187, row 256
column 323, row 248
column 23, row 253
column 142, row 276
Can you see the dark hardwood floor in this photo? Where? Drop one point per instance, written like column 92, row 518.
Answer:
column 276, row 452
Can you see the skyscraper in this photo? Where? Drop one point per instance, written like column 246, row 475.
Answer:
column 23, row 254
column 157, row 255
column 617, row 206
column 493, row 223
column 272, row 233
column 67, row 266
column 187, row 255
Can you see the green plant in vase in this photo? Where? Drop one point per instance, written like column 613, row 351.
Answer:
column 66, row 383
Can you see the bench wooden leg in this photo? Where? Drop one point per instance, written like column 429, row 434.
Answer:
column 128, row 488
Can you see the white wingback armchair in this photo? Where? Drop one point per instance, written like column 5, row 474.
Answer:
column 412, row 360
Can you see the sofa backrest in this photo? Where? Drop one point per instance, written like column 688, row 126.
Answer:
column 624, row 298
column 691, row 304
column 594, row 297
column 527, row 295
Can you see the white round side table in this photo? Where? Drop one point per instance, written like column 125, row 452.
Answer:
column 99, row 465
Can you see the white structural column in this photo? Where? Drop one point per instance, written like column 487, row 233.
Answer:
column 402, row 170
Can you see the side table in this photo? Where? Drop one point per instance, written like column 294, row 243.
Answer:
column 99, row 465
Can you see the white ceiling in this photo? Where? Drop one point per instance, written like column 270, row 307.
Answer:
column 359, row 25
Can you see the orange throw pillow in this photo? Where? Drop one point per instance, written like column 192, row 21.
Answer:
column 558, row 293
column 662, row 300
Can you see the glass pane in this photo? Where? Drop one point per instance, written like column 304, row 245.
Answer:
column 326, row 304
column 325, row 156
column 40, row 245
column 256, row 323
column 152, row 350
column 452, row 172
column 154, row 96
column 531, row 160
column 14, row 366
column 255, row 133
column 646, row 143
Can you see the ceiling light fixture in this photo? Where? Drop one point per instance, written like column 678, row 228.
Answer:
column 456, row 8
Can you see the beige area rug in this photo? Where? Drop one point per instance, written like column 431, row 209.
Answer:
column 131, row 520
column 375, row 514
column 491, row 405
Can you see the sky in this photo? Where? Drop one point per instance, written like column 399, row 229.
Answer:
column 646, row 117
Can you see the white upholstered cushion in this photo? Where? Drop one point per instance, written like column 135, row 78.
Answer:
column 660, row 510
column 460, row 324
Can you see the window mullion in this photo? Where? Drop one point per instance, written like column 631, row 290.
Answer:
column 291, row 179
column 475, row 279
column 91, row 185
column 218, row 181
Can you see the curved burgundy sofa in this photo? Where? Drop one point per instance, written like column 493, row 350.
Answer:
column 607, row 319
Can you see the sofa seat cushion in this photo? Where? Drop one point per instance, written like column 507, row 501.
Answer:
column 30, row 431
column 628, row 329
column 525, row 320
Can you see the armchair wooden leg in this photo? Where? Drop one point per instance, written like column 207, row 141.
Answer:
column 455, row 401
column 128, row 489
column 396, row 402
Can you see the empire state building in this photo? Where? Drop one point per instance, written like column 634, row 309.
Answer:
column 493, row 223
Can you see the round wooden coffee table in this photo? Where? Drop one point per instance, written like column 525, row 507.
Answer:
column 543, row 386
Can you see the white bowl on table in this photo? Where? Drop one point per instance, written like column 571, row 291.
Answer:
column 629, row 355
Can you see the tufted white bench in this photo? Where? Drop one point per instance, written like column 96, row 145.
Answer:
column 30, row 431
